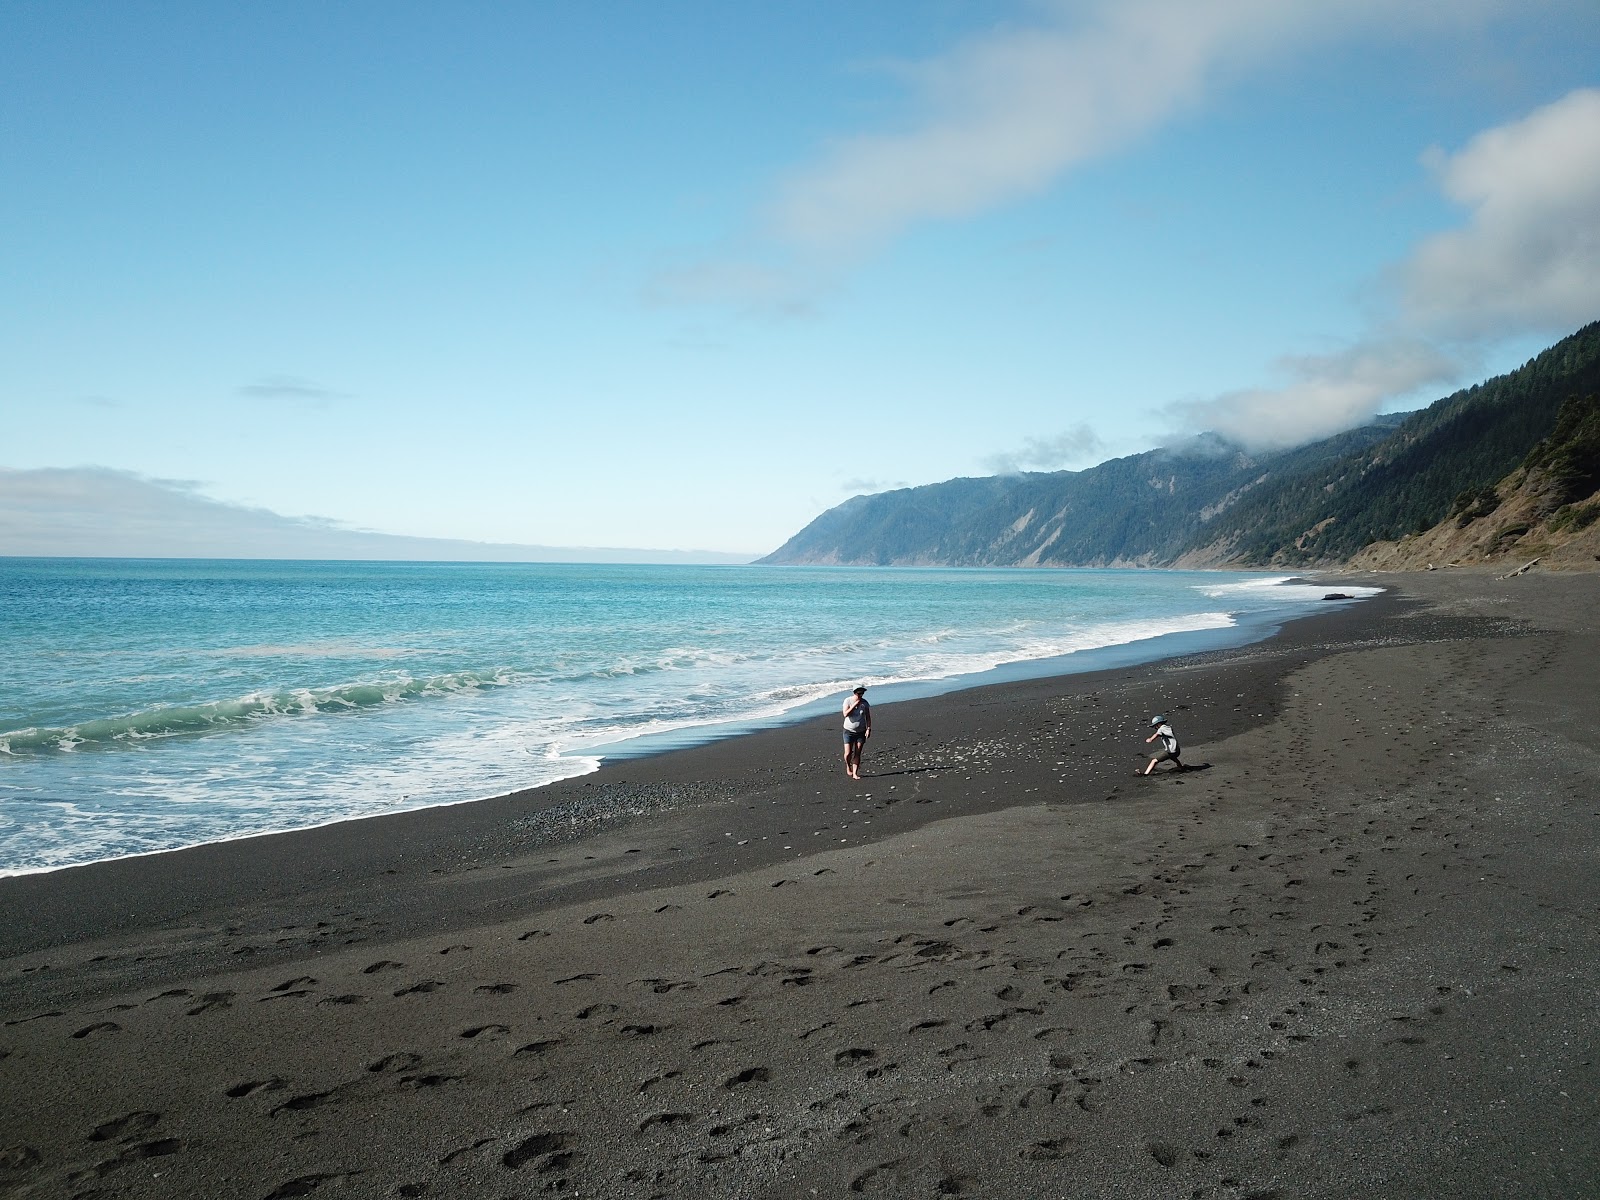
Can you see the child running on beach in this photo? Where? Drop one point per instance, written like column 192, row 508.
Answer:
column 1169, row 745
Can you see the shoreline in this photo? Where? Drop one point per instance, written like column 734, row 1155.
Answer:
column 327, row 851
column 1245, row 628
column 1353, row 953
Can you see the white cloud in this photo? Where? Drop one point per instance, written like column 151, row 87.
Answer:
column 1528, row 257
column 1527, row 260
column 1324, row 394
column 98, row 512
column 289, row 387
column 1079, row 444
column 861, row 486
column 1004, row 115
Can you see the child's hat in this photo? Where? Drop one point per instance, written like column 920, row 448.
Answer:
column 1157, row 720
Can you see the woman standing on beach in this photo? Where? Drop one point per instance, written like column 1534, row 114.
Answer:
column 857, row 729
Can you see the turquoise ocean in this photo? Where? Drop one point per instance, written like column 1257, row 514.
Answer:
column 148, row 705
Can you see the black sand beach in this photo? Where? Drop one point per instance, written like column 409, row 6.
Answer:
column 1355, row 955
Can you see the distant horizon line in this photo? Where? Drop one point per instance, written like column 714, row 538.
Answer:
column 702, row 558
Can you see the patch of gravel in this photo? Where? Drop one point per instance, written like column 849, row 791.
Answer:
column 606, row 805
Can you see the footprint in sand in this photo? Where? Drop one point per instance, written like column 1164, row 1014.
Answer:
column 1048, row 1150
column 132, row 1123
column 445, row 1159
column 536, row 1049
column 418, row 1082
column 303, row 1185
column 98, row 1027
column 308, row 1100
column 548, row 1150
column 662, row 987
column 400, row 1061
column 1163, row 1153
column 132, row 1154
column 665, row 1118
column 424, row 985
column 250, row 1087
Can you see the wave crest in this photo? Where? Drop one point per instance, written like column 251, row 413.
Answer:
column 172, row 720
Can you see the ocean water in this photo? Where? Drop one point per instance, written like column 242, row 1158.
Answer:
column 147, row 705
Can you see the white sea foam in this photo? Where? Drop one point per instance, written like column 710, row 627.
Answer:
column 172, row 720
column 1240, row 586
column 775, row 703
column 1282, row 589
column 88, row 846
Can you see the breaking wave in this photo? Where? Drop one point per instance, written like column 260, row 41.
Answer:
column 172, row 720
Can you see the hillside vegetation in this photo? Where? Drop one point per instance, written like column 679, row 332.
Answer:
column 1210, row 503
column 1547, row 509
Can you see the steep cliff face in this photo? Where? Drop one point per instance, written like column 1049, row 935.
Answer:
column 1144, row 510
column 1512, row 535
column 1547, row 509
column 1129, row 511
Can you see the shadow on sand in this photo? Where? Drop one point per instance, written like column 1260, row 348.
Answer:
column 904, row 771
column 1185, row 769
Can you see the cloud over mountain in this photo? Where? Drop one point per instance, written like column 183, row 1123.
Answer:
column 1526, row 259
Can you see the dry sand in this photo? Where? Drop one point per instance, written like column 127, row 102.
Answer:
column 1353, row 956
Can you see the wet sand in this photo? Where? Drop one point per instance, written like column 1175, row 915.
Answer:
column 1354, row 954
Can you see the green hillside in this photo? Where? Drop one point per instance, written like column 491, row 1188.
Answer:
column 1409, row 481
column 1210, row 503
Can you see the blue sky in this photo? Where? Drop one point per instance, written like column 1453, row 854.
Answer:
column 682, row 275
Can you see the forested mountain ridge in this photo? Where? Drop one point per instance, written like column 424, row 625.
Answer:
column 1210, row 503
column 1548, row 509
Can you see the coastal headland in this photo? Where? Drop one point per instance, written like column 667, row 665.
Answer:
column 1352, row 952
